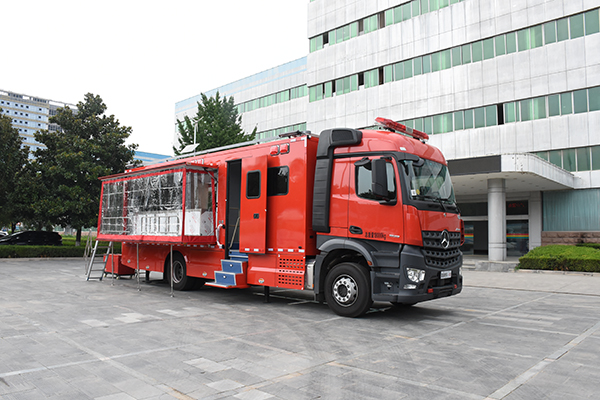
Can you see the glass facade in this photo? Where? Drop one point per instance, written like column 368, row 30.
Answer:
column 571, row 211
column 518, row 111
column 372, row 23
column 274, row 98
column 276, row 132
column 576, row 26
column 574, row 159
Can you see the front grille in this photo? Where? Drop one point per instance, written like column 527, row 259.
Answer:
column 435, row 254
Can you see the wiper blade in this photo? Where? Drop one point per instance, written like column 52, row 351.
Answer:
column 427, row 197
column 437, row 199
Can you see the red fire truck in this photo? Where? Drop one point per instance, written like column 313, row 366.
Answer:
column 355, row 215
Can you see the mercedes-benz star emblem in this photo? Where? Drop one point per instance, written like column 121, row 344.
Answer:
column 445, row 240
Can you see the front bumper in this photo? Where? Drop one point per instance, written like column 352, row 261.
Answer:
column 390, row 284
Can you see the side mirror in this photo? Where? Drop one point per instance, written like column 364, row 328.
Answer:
column 380, row 179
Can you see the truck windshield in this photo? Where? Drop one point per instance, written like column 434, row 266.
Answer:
column 430, row 181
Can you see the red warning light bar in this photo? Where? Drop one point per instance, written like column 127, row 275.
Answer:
column 398, row 127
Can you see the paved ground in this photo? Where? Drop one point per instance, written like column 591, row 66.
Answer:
column 507, row 336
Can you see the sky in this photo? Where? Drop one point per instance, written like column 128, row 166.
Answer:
column 143, row 56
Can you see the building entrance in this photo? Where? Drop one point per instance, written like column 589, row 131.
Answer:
column 476, row 228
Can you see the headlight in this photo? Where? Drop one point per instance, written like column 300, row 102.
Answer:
column 415, row 275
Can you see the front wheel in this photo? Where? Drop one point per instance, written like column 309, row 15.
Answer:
column 347, row 290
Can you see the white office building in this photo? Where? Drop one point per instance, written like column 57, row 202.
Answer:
column 508, row 90
column 30, row 114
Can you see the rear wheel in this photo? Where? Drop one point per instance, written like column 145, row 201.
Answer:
column 180, row 279
column 347, row 290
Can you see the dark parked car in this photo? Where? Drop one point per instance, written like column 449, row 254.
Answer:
column 33, row 238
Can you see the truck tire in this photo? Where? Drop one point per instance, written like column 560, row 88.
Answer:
column 180, row 279
column 347, row 290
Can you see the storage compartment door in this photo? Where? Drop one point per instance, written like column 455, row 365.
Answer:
column 253, row 208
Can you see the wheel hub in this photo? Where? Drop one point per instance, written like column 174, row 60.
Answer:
column 177, row 272
column 345, row 290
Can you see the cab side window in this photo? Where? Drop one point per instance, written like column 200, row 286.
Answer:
column 364, row 178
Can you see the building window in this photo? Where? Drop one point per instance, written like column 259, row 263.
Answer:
column 595, row 158
column 594, row 95
column 592, row 22
column 576, row 23
column 566, row 104
column 553, row 105
column 583, row 159
column 580, row 101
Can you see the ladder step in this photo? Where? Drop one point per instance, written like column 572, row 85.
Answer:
column 236, row 255
column 225, row 278
column 233, row 266
column 217, row 285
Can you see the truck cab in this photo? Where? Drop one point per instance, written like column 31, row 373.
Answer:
column 387, row 225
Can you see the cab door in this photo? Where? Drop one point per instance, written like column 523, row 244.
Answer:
column 253, row 208
column 369, row 216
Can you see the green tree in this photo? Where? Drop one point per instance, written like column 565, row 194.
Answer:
column 89, row 145
column 13, row 158
column 217, row 123
column 34, row 202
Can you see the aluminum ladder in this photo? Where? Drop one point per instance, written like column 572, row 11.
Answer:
column 92, row 260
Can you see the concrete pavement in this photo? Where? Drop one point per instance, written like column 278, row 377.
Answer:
column 508, row 336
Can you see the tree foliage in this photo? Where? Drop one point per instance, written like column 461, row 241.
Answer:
column 13, row 158
column 217, row 123
column 64, row 185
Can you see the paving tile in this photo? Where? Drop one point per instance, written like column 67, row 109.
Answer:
column 206, row 365
column 224, row 385
column 119, row 396
column 253, row 394
column 64, row 338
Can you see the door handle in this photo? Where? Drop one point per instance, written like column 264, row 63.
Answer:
column 220, row 226
column 355, row 230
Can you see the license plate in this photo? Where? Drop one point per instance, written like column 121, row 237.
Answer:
column 446, row 274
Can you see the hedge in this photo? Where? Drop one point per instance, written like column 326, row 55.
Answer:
column 40, row 251
column 592, row 245
column 562, row 258
column 68, row 249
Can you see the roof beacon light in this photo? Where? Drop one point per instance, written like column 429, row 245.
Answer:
column 398, row 127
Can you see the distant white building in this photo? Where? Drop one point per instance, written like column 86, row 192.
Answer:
column 508, row 90
column 30, row 114
column 150, row 158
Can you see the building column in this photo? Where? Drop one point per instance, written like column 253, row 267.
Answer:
column 535, row 220
column 496, row 220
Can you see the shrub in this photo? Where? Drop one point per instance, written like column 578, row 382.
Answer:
column 562, row 258
column 592, row 245
column 40, row 251
column 68, row 249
